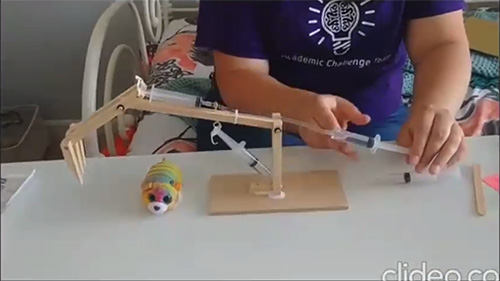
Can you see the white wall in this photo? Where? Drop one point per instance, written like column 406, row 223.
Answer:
column 43, row 48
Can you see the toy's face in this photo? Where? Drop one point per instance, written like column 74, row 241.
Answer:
column 157, row 199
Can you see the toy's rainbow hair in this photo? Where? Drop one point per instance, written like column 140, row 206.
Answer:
column 167, row 175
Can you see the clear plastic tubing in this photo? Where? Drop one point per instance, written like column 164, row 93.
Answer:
column 393, row 147
column 239, row 148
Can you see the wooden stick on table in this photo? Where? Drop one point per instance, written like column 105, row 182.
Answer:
column 478, row 191
column 277, row 154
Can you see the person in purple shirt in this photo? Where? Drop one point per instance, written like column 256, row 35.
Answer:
column 339, row 64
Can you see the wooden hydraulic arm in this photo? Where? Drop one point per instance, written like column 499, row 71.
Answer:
column 135, row 97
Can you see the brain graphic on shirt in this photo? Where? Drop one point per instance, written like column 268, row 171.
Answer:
column 340, row 16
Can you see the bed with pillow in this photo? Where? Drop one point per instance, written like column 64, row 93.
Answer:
column 163, row 55
column 174, row 63
column 177, row 65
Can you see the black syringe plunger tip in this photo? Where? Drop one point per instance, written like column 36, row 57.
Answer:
column 407, row 177
column 371, row 142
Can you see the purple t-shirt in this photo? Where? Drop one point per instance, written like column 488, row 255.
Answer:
column 353, row 49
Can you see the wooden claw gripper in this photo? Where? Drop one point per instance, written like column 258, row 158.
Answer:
column 139, row 98
column 73, row 145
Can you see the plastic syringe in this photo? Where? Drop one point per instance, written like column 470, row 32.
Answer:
column 373, row 143
column 240, row 149
column 178, row 98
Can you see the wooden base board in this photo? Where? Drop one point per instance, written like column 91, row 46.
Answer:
column 304, row 191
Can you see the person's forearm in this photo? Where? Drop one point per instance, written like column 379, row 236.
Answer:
column 442, row 77
column 258, row 93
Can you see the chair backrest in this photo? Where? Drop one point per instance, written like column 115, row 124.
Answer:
column 151, row 19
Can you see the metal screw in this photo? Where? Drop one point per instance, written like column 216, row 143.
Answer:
column 120, row 107
column 277, row 130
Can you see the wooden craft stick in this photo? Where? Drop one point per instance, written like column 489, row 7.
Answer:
column 478, row 191
column 82, row 153
column 203, row 113
column 69, row 159
column 277, row 153
column 76, row 163
column 104, row 114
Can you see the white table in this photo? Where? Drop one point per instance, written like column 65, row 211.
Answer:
column 56, row 229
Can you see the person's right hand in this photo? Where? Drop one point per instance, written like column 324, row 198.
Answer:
column 329, row 112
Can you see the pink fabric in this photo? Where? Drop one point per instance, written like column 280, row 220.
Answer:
column 180, row 48
column 492, row 181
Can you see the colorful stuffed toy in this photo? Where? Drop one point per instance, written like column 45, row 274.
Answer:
column 162, row 187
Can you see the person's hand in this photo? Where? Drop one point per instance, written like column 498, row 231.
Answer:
column 329, row 112
column 434, row 138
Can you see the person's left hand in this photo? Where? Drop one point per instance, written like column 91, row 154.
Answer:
column 434, row 138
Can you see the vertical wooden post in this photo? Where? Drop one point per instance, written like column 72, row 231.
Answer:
column 277, row 134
